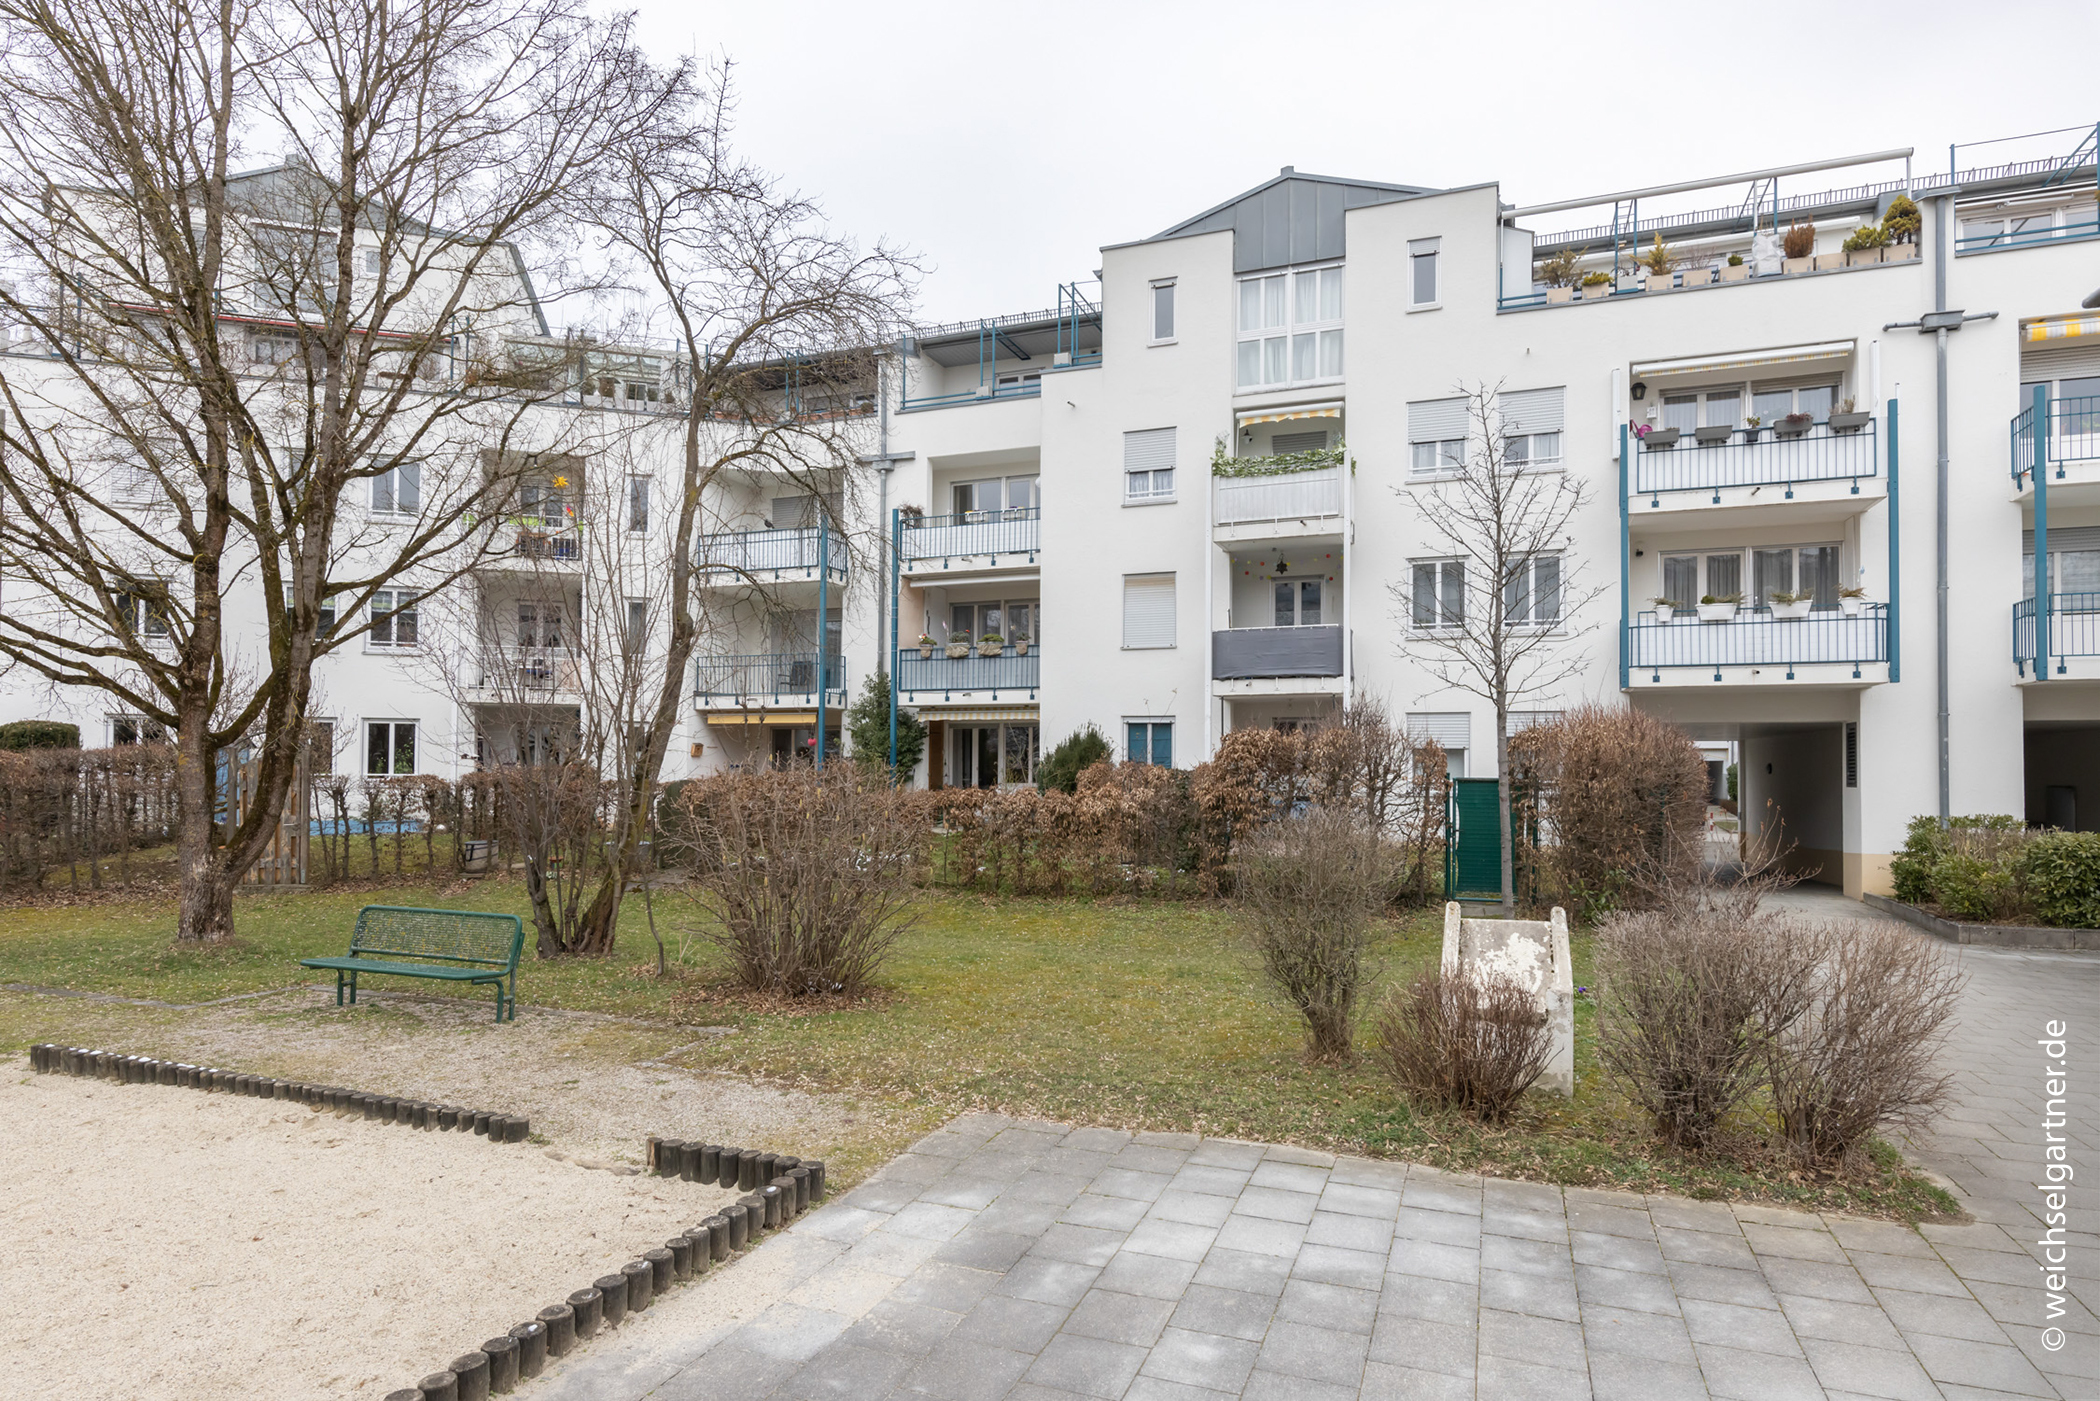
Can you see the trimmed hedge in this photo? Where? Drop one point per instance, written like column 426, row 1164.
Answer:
column 2060, row 872
column 1991, row 868
column 39, row 734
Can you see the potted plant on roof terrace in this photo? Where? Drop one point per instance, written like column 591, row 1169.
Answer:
column 1752, row 426
column 1653, row 438
column 1865, row 244
column 1021, row 641
column 1661, row 264
column 1596, row 286
column 1798, row 249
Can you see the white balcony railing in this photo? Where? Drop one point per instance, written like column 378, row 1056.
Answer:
column 1287, row 496
column 527, row 673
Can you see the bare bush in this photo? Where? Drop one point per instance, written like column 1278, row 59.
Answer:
column 1866, row 1050
column 1473, row 1042
column 808, row 874
column 1690, row 1004
column 1309, row 888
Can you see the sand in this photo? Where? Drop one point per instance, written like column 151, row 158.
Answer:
column 158, row 1242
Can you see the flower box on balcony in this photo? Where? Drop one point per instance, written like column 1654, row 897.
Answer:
column 1791, row 610
column 1829, row 262
column 1848, row 422
column 1717, row 612
column 1900, row 253
column 1793, row 425
column 1790, row 266
column 926, row 652
column 1735, row 272
column 1713, row 437
column 958, row 650
column 1860, row 257
column 1020, row 646
column 1851, row 605
column 1660, row 438
column 991, row 646
column 1556, row 295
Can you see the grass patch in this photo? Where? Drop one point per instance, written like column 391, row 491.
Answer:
column 1141, row 1014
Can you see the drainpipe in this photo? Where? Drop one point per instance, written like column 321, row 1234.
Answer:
column 1942, row 221
column 823, row 621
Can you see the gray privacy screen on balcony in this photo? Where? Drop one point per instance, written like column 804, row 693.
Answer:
column 1249, row 653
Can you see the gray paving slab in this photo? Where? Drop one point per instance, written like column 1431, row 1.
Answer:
column 1003, row 1258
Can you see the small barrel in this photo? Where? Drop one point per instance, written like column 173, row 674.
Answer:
column 589, row 1306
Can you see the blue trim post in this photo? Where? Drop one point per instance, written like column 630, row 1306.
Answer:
column 1625, row 572
column 2041, row 532
column 823, row 624
column 896, row 654
column 1895, row 610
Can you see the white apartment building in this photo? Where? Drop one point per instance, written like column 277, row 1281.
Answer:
column 1093, row 486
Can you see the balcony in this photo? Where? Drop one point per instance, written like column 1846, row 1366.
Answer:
column 1276, row 654
column 974, row 542
column 1287, row 501
column 1008, row 675
column 1754, row 648
column 532, row 543
column 771, row 557
column 1816, row 463
column 2070, row 450
column 527, row 676
column 767, row 680
column 2073, row 635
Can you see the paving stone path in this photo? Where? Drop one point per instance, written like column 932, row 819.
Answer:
column 1032, row 1261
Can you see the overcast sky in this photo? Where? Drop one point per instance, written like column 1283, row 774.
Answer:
column 1005, row 144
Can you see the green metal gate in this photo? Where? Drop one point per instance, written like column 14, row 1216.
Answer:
column 1472, row 841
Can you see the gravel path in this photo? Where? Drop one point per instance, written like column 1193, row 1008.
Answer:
column 164, row 1243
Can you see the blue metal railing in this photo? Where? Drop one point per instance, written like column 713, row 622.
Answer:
column 2025, row 238
column 972, row 534
column 1755, row 638
column 2074, row 435
column 2074, row 629
column 770, row 677
column 1074, row 310
column 752, row 552
column 1771, row 455
column 1009, row 671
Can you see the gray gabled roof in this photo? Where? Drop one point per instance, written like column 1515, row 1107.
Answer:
column 1291, row 218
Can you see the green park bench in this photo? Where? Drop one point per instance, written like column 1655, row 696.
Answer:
column 456, row 946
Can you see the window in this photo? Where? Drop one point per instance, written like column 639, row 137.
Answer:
column 637, row 625
column 539, row 625
column 1290, row 328
column 1013, row 620
column 272, row 348
column 1148, row 464
column 1439, row 594
column 1532, row 422
column 1436, row 431
column 1453, row 729
column 1788, row 569
column 375, row 262
column 146, row 617
column 1852, row 753
column 131, row 729
column 390, row 746
column 1019, row 382
column 1149, row 742
column 1148, row 611
column 324, row 617
column 1297, row 603
column 1422, row 259
column 985, row 756
column 637, row 503
column 1772, row 401
column 1162, row 311
column 1531, row 594
column 985, row 499
column 393, row 619
column 398, row 491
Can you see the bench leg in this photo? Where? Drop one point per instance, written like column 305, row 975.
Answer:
column 338, row 987
column 353, row 989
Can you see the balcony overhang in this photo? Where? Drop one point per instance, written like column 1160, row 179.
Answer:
column 1768, row 504
column 971, row 569
column 1278, row 687
column 1805, row 356
column 1767, row 677
column 764, row 710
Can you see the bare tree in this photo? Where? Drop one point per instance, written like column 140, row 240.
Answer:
column 1495, row 616
column 776, row 321
column 223, row 359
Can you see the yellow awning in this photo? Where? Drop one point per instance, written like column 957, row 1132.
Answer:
column 1284, row 415
column 1746, row 359
column 980, row 715
column 764, row 717
column 2054, row 328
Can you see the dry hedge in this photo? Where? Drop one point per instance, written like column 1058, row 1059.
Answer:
column 1308, row 890
column 1469, row 1041
column 77, row 807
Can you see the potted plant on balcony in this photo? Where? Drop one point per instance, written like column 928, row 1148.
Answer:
column 958, row 646
column 1846, row 421
column 1789, row 607
column 1753, row 425
column 1559, row 274
column 1852, row 600
column 1734, row 270
column 1021, row 641
column 926, row 646
column 1715, row 435
column 990, row 645
column 1661, row 264
column 1798, row 249
column 1718, row 607
column 1793, row 425
column 1666, row 609
column 1901, row 224
column 1865, row 244
column 1652, row 437
column 1596, row 286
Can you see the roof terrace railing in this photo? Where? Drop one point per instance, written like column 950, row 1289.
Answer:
column 2074, row 436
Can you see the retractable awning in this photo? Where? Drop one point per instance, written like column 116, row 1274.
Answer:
column 764, row 717
column 2052, row 328
column 981, row 715
column 1747, row 359
column 1297, row 411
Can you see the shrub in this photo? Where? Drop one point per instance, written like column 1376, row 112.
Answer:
column 1460, row 1042
column 1867, row 236
column 808, row 874
column 1689, row 1000
column 1078, row 751
column 1562, row 268
column 1866, row 1050
column 1800, row 241
column 39, row 734
column 2059, row 873
column 1309, row 888
column 1903, row 219
column 868, row 725
column 1969, row 867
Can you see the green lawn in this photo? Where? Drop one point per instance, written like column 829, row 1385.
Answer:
column 1135, row 1013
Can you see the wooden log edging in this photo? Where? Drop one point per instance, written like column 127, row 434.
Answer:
column 50, row 1059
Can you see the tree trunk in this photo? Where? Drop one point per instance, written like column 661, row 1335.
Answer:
column 1509, row 854
column 205, row 911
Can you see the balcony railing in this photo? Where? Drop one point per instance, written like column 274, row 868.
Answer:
column 1289, row 496
column 2074, row 630
column 767, row 678
column 2074, row 435
column 527, row 673
column 973, row 533
column 1238, row 654
column 752, row 552
column 2032, row 233
column 1755, row 638
column 1766, row 456
column 1007, row 671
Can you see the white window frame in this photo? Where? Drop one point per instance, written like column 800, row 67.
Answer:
column 639, row 487
column 1298, row 586
column 140, row 729
column 388, row 485
column 1166, row 285
column 637, row 638
column 1291, row 329
column 1417, row 250
column 397, row 602
column 1443, row 621
column 1529, row 569
column 1159, row 483
column 392, row 740
column 1448, row 458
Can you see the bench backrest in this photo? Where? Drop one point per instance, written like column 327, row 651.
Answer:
column 457, row 936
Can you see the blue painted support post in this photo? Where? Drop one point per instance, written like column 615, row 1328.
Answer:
column 896, row 652
column 1625, row 572
column 2041, row 532
column 1895, row 611
column 823, row 623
